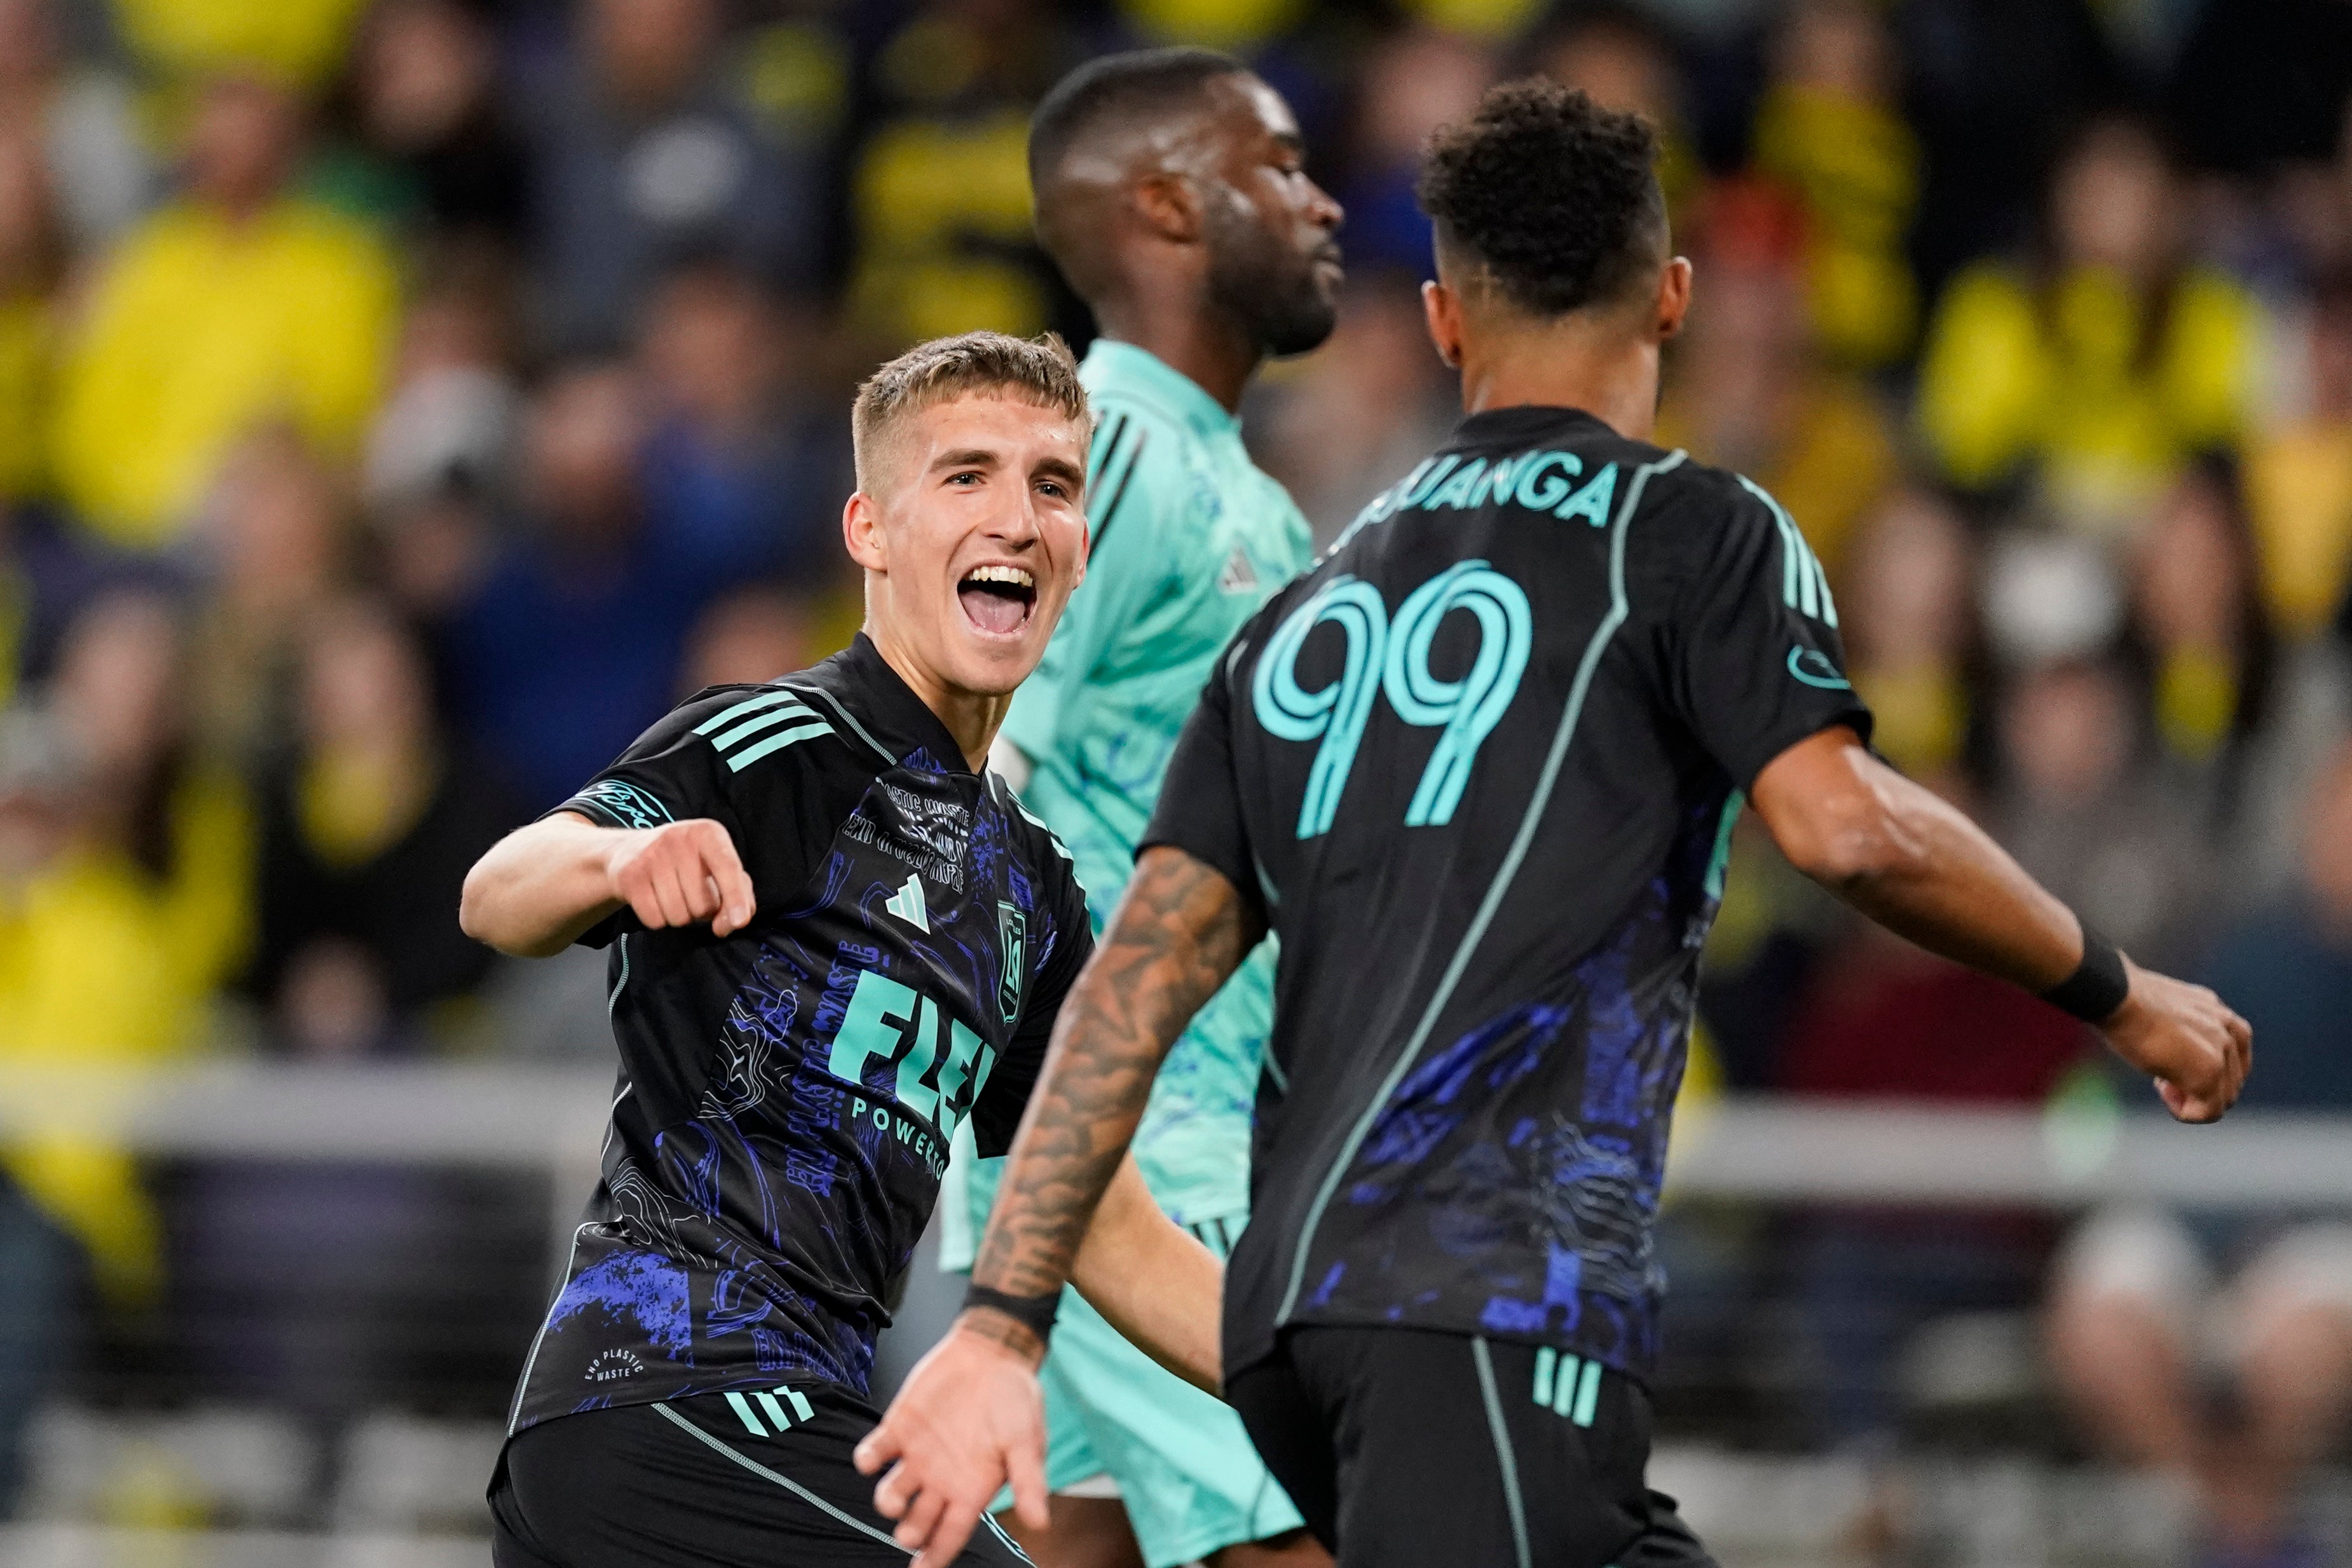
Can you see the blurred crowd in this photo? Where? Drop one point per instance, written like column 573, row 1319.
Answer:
column 402, row 403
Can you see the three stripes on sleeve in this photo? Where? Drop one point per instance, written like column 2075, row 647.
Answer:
column 760, row 726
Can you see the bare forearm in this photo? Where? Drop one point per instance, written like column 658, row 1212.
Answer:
column 1916, row 865
column 1180, row 931
column 1153, row 1281
column 540, row 886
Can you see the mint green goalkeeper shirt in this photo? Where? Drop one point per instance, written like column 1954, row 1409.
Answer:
column 1190, row 538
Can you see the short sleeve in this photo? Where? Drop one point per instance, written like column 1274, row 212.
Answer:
column 996, row 1114
column 1133, row 489
column 1755, row 660
column 669, row 774
column 1200, row 809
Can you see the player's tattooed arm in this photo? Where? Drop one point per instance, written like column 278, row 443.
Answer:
column 1180, row 931
column 969, row 1419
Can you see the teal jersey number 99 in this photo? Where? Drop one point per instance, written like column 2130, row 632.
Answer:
column 1393, row 657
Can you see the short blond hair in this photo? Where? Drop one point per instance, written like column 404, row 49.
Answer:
column 1039, row 370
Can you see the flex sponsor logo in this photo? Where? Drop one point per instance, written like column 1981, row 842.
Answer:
column 898, row 1042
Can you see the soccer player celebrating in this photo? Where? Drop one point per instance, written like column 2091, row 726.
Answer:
column 834, row 937
column 1479, row 769
column 1170, row 191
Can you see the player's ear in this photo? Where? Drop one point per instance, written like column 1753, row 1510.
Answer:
column 1170, row 205
column 861, row 531
column 1673, row 298
column 1440, row 308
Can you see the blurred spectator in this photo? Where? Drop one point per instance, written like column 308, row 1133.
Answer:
column 2137, row 1319
column 1358, row 413
column 83, row 120
column 1992, row 86
column 2199, row 612
column 742, row 467
column 126, row 901
column 1906, row 595
column 431, row 120
column 368, row 822
column 2105, row 362
column 1749, row 390
column 1829, row 128
column 237, row 303
column 1884, row 1019
column 2258, row 84
column 31, row 257
column 571, row 645
column 2092, row 822
column 2299, row 477
column 748, row 636
column 940, row 193
column 1619, row 57
column 276, row 547
column 641, row 154
column 1413, row 81
column 449, row 421
column 295, row 43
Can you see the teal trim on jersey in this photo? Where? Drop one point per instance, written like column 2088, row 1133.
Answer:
column 1503, row 1456
column 742, row 1409
column 849, row 718
column 1620, row 607
column 1804, row 585
column 790, row 1485
column 1547, row 1359
column 622, row 943
column 1588, row 1395
column 723, row 718
column 783, row 712
column 1719, row 862
column 774, row 743
column 767, row 1399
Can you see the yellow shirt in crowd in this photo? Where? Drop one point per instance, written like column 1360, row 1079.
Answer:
column 201, row 327
column 2079, row 377
column 2299, row 494
column 102, row 964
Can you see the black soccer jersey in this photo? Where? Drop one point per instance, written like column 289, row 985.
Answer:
column 787, row 1094
column 1481, row 766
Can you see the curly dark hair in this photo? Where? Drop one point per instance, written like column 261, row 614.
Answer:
column 1557, row 196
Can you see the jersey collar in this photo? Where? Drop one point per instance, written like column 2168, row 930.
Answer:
column 1113, row 366
column 1523, row 421
column 884, row 710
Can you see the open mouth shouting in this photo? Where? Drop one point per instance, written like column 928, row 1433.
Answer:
column 998, row 599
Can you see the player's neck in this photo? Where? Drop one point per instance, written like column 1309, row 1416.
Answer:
column 1215, row 352
column 970, row 719
column 1573, row 363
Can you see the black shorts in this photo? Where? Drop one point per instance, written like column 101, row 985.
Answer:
column 1405, row 1448
column 717, row 1480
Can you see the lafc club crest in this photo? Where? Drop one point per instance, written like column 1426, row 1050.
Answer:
column 1013, row 928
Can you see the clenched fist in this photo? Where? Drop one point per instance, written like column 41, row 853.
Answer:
column 681, row 873
column 2186, row 1038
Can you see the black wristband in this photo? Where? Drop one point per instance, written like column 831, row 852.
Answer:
column 1035, row 1313
column 2098, row 985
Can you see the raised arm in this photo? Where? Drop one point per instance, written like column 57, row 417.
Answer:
column 540, row 886
column 1912, row 863
column 967, row 1419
